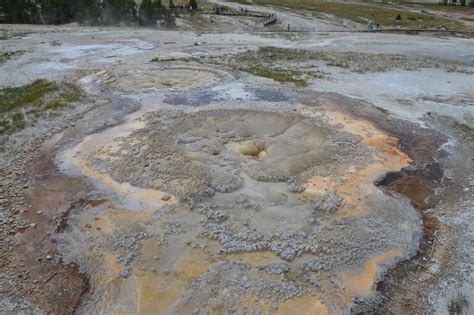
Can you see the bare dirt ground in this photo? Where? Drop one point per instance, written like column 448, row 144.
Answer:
column 215, row 173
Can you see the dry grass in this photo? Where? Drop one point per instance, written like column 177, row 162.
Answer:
column 352, row 61
column 297, row 66
column 458, row 305
column 5, row 56
column 360, row 12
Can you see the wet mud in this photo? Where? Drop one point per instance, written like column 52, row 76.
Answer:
column 419, row 185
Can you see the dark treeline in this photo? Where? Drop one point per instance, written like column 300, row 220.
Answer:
column 90, row 12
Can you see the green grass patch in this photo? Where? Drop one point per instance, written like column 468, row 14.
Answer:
column 17, row 117
column 458, row 305
column 20, row 106
column 353, row 61
column 280, row 64
column 466, row 131
column 279, row 75
column 163, row 59
column 253, row 63
column 357, row 62
column 436, row 7
column 16, row 97
column 297, row 66
column 259, row 63
column 3, row 35
column 382, row 110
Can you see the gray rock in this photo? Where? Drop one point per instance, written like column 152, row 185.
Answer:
column 295, row 186
column 328, row 202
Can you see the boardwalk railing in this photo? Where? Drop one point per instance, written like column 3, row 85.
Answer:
column 270, row 20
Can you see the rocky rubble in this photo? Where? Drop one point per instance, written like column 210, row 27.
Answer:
column 244, row 279
column 327, row 202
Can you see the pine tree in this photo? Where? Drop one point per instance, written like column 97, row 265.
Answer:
column 116, row 11
column 47, row 11
column 160, row 10
column 169, row 20
column 147, row 13
column 58, row 11
column 89, row 11
column 152, row 11
column 20, row 11
column 193, row 4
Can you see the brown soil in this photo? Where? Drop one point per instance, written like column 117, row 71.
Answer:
column 416, row 184
column 55, row 286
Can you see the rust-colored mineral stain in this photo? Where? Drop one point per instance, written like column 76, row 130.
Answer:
column 309, row 305
column 318, row 184
column 192, row 262
column 154, row 196
column 254, row 304
column 112, row 264
column 112, row 220
column 372, row 137
column 301, row 305
column 355, row 183
column 255, row 259
column 104, row 223
column 94, row 203
column 142, row 194
column 104, row 145
column 364, row 283
column 158, row 292
column 104, row 154
column 124, row 215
